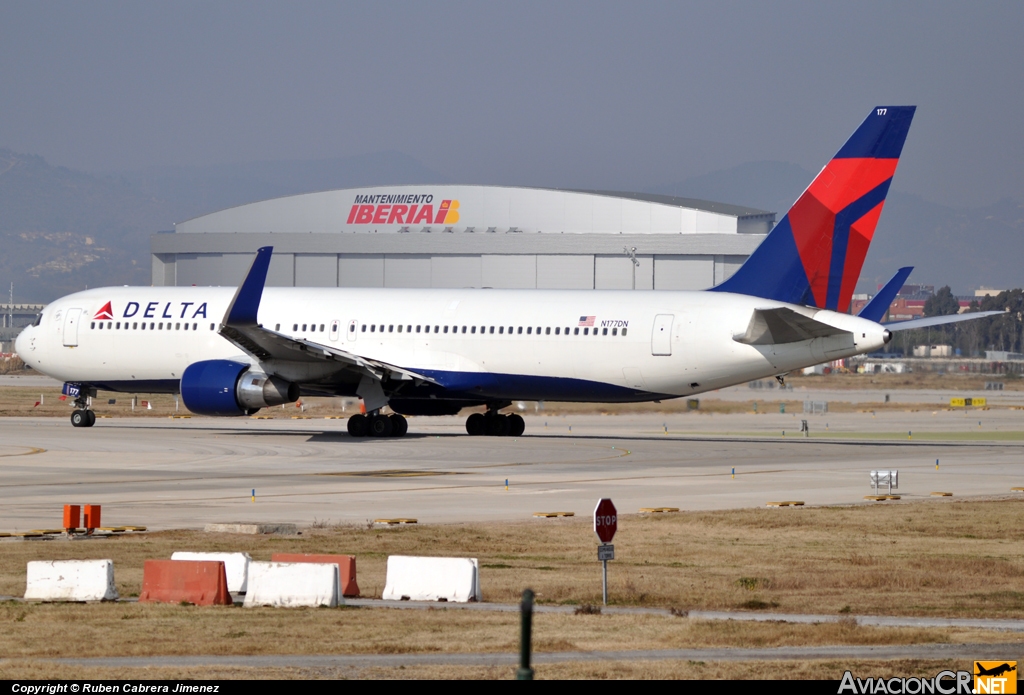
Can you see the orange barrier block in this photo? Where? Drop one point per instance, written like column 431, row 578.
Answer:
column 346, row 568
column 201, row 582
column 92, row 517
column 72, row 517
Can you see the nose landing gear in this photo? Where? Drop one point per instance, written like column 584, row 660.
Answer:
column 83, row 418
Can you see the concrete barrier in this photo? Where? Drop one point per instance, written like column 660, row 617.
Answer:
column 203, row 583
column 236, row 566
column 346, row 568
column 432, row 579
column 291, row 584
column 70, row 580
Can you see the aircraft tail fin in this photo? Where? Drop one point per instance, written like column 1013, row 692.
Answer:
column 814, row 255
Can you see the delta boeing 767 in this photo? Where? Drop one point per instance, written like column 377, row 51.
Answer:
column 230, row 352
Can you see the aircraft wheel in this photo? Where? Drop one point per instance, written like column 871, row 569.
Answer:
column 517, row 425
column 498, row 426
column 357, row 425
column 90, row 418
column 399, row 425
column 79, row 418
column 476, row 424
column 380, row 426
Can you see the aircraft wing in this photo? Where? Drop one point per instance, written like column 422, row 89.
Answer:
column 241, row 328
column 782, row 325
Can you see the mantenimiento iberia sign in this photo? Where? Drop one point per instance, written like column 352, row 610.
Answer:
column 406, row 208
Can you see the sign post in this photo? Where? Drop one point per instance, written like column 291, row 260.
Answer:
column 606, row 522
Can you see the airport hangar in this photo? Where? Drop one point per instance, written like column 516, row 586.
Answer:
column 466, row 236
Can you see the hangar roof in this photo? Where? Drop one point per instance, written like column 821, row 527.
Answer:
column 471, row 208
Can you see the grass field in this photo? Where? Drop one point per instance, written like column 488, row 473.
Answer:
column 935, row 558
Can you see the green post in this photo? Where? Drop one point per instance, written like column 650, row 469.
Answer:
column 524, row 672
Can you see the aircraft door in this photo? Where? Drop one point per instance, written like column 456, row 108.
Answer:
column 71, row 321
column 335, row 329
column 352, row 330
column 661, row 337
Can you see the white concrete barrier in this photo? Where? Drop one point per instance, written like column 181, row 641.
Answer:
column 292, row 584
column 236, row 566
column 432, row 579
column 70, row 580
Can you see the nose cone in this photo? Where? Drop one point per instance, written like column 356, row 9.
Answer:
column 21, row 343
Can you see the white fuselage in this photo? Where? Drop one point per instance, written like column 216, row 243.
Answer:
column 573, row 345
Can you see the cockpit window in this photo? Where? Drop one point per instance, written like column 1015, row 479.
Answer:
column 39, row 319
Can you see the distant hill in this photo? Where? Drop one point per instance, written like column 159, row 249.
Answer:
column 965, row 249
column 63, row 230
column 193, row 191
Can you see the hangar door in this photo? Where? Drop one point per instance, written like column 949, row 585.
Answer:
column 661, row 337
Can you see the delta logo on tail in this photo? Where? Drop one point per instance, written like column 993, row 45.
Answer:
column 105, row 313
column 815, row 254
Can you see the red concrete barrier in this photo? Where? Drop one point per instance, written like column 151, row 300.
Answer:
column 203, row 583
column 346, row 568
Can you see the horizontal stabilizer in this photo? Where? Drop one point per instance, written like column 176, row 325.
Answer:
column 929, row 321
column 880, row 303
column 781, row 325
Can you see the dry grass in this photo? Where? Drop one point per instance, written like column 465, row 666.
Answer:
column 940, row 557
column 604, row 670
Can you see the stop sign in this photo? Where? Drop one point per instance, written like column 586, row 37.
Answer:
column 606, row 520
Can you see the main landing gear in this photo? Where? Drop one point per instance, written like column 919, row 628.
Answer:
column 494, row 424
column 377, row 425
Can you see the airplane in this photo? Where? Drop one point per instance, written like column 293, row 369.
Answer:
column 231, row 352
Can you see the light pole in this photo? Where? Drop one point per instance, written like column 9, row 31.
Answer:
column 630, row 252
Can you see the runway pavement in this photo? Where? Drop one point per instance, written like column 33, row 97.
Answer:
column 165, row 473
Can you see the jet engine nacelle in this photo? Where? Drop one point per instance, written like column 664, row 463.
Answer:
column 225, row 388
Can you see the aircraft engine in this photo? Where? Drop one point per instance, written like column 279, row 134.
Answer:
column 225, row 388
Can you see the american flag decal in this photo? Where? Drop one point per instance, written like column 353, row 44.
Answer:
column 587, row 320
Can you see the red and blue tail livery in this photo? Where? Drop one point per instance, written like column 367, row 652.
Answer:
column 815, row 254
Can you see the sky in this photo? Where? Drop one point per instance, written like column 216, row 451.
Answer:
column 593, row 94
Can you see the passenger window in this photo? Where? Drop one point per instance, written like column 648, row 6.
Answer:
column 195, row 326
column 520, row 331
column 118, row 325
column 492, row 329
column 529, row 330
column 304, row 328
column 615, row 331
column 186, row 326
column 604, row 331
column 364, row 328
column 437, row 329
column 143, row 325
column 135, row 325
column 277, row 327
column 464, row 329
column 177, row 326
column 547, row 331
column 624, row 332
column 473, row 332
column 391, row 328
column 557, row 330
column 408, row 329
column 399, row 328
column 417, row 329
column 321, row 328
column 161, row 325
column 501, row 329
column 373, row 328
column 295, row 326
column 446, row 329
column 576, row 331
column 101, row 325
column 586, row 331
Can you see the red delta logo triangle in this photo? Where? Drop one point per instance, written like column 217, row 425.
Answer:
column 105, row 313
